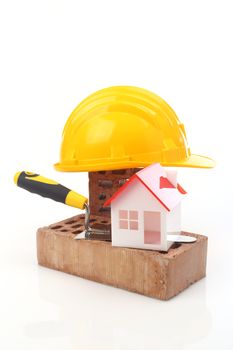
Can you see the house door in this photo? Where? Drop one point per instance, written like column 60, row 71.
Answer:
column 152, row 227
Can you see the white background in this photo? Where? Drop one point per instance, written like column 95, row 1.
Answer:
column 55, row 53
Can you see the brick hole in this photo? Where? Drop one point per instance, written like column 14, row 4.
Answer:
column 76, row 226
column 104, row 209
column 102, row 196
column 77, row 232
column 105, row 183
column 56, row 227
column 119, row 172
column 64, row 230
column 104, row 222
column 70, row 222
column 93, row 220
column 176, row 245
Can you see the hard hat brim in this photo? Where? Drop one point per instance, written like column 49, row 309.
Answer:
column 194, row 161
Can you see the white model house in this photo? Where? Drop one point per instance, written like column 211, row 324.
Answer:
column 146, row 209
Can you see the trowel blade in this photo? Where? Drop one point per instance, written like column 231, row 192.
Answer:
column 181, row 239
column 93, row 234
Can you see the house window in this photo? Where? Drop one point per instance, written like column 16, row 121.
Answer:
column 128, row 219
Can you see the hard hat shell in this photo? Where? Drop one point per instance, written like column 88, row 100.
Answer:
column 125, row 127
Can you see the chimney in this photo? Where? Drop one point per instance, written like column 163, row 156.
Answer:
column 172, row 177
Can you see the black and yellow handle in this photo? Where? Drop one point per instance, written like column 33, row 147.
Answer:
column 50, row 189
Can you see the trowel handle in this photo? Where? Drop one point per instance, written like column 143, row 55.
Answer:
column 50, row 189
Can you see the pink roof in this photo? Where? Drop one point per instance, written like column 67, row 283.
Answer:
column 154, row 178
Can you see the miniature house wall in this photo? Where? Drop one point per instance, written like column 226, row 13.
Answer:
column 140, row 219
column 137, row 218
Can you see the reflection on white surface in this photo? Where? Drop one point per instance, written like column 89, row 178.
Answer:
column 97, row 316
column 46, row 329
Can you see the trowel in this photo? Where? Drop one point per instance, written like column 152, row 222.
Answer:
column 47, row 188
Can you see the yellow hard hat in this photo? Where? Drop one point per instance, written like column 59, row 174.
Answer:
column 125, row 127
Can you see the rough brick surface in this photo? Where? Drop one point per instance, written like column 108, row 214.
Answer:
column 102, row 185
column 156, row 274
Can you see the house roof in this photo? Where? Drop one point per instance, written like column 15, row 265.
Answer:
column 155, row 180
